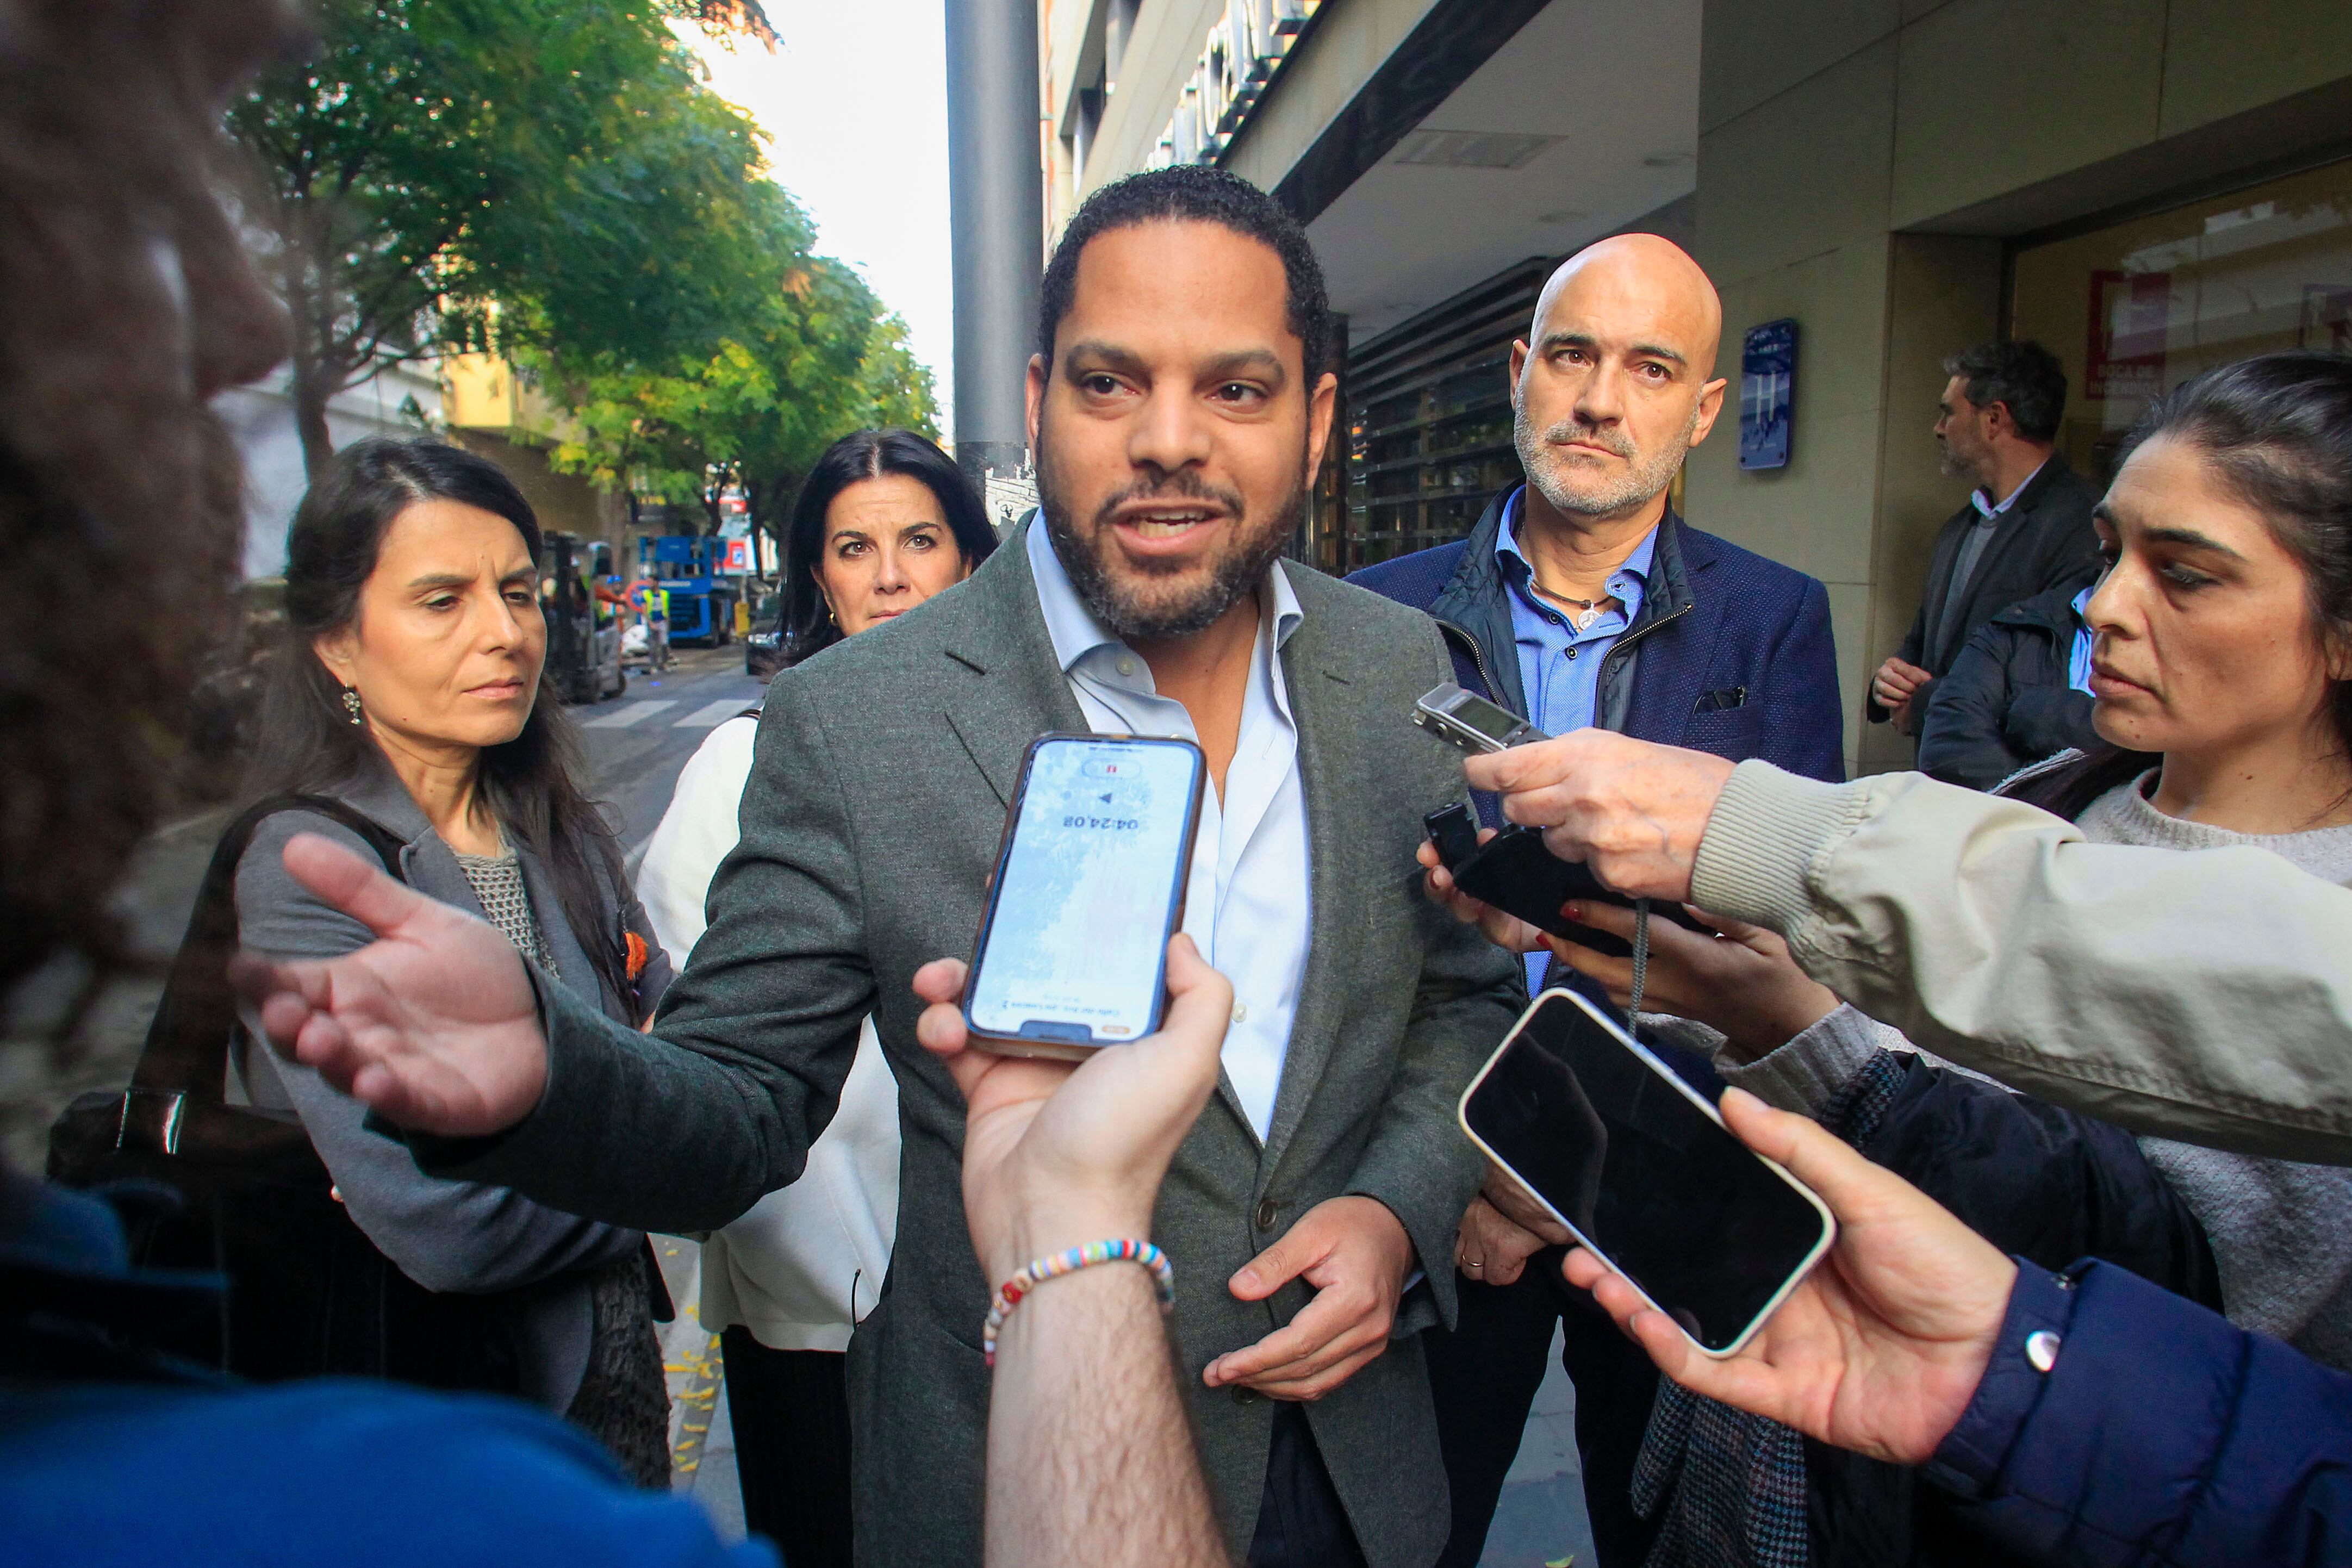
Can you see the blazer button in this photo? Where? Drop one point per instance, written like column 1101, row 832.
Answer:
column 1245, row 1395
column 1266, row 1214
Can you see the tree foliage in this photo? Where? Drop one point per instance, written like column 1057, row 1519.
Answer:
column 817, row 359
column 470, row 174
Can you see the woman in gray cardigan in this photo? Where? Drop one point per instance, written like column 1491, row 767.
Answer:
column 410, row 692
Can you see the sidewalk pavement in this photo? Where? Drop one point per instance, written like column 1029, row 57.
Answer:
column 702, row 1442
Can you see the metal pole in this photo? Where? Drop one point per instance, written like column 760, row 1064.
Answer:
column 996, row 205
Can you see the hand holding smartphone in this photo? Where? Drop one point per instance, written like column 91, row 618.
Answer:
column 1088, row 887
column 1513, row 872
column 1642, row 1171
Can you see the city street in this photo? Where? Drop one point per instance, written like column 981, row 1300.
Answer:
column 638, row 742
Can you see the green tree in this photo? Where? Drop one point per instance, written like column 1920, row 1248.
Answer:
column 818, row 359
column 490, row 174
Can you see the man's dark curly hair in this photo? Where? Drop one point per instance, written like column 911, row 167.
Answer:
column 2024, row 375
column 1195, row 192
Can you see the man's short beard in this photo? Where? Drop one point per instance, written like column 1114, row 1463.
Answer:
column 1644, row 481
column 1116, row 603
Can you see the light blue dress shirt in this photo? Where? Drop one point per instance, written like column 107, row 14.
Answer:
column 1248, row 904
column 2078, row 657
column 1559, row 667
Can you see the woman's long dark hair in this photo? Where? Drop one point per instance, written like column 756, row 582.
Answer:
column 867, row 455
column 307, row 742
column 2277, row 428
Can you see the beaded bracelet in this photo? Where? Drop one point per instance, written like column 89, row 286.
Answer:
column 1125, row 1250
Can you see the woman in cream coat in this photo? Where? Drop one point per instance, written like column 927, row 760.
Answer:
column 885, row 520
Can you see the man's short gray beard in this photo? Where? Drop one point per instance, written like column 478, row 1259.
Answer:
column 1647, row 478
column 1235, row 576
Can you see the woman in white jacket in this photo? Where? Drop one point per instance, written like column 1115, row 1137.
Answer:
column 885, row 520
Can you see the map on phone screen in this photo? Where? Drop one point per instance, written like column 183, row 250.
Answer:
column 1081, row 922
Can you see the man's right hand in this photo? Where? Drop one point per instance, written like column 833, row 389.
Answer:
column 1632, row 810
column 434, row 1025
column 1897, row 682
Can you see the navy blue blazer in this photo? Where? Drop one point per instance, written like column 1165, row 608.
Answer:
column 1730, row 653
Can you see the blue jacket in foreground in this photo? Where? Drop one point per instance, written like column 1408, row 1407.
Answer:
column 1729, row 653
column 2162, row 1435
column 110, row 1457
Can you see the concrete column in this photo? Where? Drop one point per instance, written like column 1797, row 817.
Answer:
column 997, row 217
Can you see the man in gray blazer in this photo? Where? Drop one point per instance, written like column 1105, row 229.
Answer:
column 1178, row 410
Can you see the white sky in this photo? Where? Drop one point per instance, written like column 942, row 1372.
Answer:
column 854, row 102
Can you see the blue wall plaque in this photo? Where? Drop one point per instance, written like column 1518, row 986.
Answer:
column 1767, row 394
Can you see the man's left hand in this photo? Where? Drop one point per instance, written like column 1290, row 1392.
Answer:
column 1356, row 1254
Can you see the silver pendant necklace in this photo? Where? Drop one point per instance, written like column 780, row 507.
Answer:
column 1587, row 610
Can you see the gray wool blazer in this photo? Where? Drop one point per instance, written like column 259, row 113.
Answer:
column 471, row 1237
column 870, row 822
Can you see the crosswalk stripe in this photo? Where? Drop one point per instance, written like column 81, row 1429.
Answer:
column 711, row 714
column 628, row 713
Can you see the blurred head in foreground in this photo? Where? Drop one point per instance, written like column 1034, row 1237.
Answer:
column 125, row 304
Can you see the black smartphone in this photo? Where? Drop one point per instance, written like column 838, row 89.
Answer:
column 1639, row 1168
column 1089, row 885
column 1515, row 873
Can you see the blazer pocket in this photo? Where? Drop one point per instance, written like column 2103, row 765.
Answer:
column 1733, row 732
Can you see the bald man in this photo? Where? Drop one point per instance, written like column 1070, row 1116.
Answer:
column 1581, row 598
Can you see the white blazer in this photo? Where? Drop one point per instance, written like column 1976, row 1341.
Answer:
column 805, row 1262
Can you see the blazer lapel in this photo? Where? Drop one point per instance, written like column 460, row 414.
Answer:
column 1017, row 691
column 1318, row 699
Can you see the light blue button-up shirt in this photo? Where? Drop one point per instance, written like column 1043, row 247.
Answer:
column 1559, row 667
column 1248, row 905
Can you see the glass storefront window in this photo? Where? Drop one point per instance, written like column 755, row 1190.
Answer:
column 2138, row 308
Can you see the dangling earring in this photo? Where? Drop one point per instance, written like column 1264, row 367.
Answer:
column 351, row 704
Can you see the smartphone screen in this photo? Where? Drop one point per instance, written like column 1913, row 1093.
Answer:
column 1088, row 889
column 1630, row 1159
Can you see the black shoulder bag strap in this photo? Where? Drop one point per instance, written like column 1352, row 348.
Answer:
column 186, row 1054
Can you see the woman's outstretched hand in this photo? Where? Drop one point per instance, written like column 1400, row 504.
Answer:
column 434, row 1025
column 1056, row 1153
column 1882, row 1347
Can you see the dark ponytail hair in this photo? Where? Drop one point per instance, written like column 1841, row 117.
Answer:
column 310, row 745
column 867, row 455
column 2277, row 428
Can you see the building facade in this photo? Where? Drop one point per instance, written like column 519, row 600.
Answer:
column 2146, row 186
column 475, row 400
column 402, row 401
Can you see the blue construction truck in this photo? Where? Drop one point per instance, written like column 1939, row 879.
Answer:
column 701, row 599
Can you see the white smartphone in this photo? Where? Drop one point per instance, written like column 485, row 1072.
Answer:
column 1089, row 885
column 1641, row 1170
